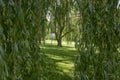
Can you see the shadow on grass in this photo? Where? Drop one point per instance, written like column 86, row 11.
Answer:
column 55, row 46
column 62, row 55
column 64, row 52
column 48, row 71
column 52, row 71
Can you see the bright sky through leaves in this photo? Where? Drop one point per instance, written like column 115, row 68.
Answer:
column 118, row 6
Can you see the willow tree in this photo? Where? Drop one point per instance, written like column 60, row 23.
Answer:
column 99, row 46
column 60, row 10
column 20, row 33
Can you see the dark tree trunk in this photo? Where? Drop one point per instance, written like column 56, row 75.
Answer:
column 59, row 42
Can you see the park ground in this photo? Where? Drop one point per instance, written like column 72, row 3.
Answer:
column 62, row 56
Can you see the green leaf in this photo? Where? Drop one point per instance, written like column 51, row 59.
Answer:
column 27, row 44
column 11, row 3
column 1, row 30
column 2, row 3
column 16, row 48
column 1, row 50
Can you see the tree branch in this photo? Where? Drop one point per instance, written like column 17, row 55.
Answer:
column 67, row 33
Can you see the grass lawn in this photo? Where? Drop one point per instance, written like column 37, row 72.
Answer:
column 63, row 57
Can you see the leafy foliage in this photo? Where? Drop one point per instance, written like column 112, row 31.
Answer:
column 20, row 35
column 23, row 26
column 60, row 19
column 98, row 57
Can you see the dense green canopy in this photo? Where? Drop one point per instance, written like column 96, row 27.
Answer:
column 24, row 24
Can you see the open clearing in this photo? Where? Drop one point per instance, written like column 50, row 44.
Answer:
column 63, row 57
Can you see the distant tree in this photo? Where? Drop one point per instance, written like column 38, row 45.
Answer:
column 61, row 12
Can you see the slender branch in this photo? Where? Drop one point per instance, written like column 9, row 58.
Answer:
column 67, row 33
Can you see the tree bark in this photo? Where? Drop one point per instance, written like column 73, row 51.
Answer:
column 59, row 42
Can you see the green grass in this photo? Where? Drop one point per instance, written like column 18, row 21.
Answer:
column 63, row 57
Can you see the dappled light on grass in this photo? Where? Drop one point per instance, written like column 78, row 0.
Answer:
column 63, row 57
column 64, row 43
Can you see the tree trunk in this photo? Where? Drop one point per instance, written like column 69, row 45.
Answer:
column 59, row 42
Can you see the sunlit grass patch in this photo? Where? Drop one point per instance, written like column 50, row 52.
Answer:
column 64, row 43
column 63, row 56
